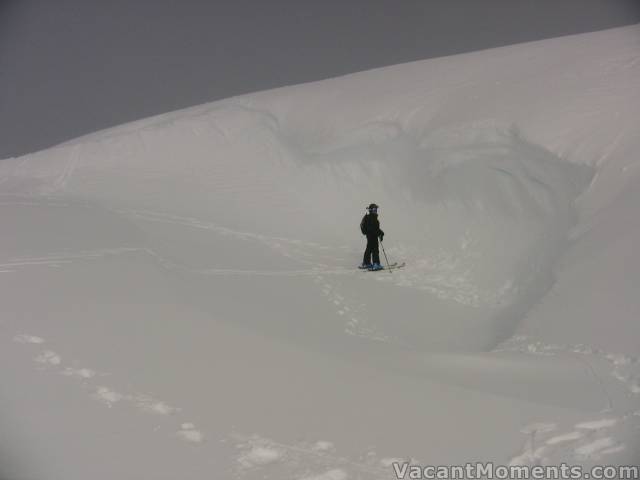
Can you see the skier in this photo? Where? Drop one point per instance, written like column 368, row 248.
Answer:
column 370, row 226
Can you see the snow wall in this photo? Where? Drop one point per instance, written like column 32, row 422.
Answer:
column 478, row 212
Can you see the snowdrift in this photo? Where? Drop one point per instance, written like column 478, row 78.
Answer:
column 477, row 211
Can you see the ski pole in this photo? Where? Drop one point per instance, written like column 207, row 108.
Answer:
column 385, row 257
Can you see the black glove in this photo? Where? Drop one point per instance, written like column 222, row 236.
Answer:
column 381, row 236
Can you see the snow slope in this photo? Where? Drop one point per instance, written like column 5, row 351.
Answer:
column 178, row 295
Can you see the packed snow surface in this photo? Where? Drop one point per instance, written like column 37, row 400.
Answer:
column 179, row 297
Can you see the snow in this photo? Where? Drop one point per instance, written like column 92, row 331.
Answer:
column 598, row 424
column 193, row 310
column 569, row 437
column 260, row 456
column 48, row 357
column 79, row 372
column 24, row 338
column 334, row 474
column 593, row 447
column 189, row 433
column 108, row 396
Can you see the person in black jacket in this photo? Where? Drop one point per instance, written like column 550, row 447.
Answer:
column 370, row 226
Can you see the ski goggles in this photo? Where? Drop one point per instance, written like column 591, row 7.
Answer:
column 372, row 210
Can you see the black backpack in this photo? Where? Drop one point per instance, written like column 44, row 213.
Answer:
column 363, row 225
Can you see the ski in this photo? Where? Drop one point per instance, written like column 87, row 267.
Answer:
column 369, row 267
column 391, row 266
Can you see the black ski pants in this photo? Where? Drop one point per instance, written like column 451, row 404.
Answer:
column 371, row 251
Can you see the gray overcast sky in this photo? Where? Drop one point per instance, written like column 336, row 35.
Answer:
column 69, row 67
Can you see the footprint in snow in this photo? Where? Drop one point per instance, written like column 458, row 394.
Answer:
column 108, row 396
column 48, row 357
column 84, row 373
column 24, row 338
column 259, row 456
column 149, row 404
column 189, row 433
column 323, row 446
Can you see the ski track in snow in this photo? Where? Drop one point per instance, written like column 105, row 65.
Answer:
column 435, row 274
column 312, row 254
column 287, row 247
column 57, row 259
column 60, row 258
column 591, row 439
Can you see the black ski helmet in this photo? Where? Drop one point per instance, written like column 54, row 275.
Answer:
column 373, row 207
